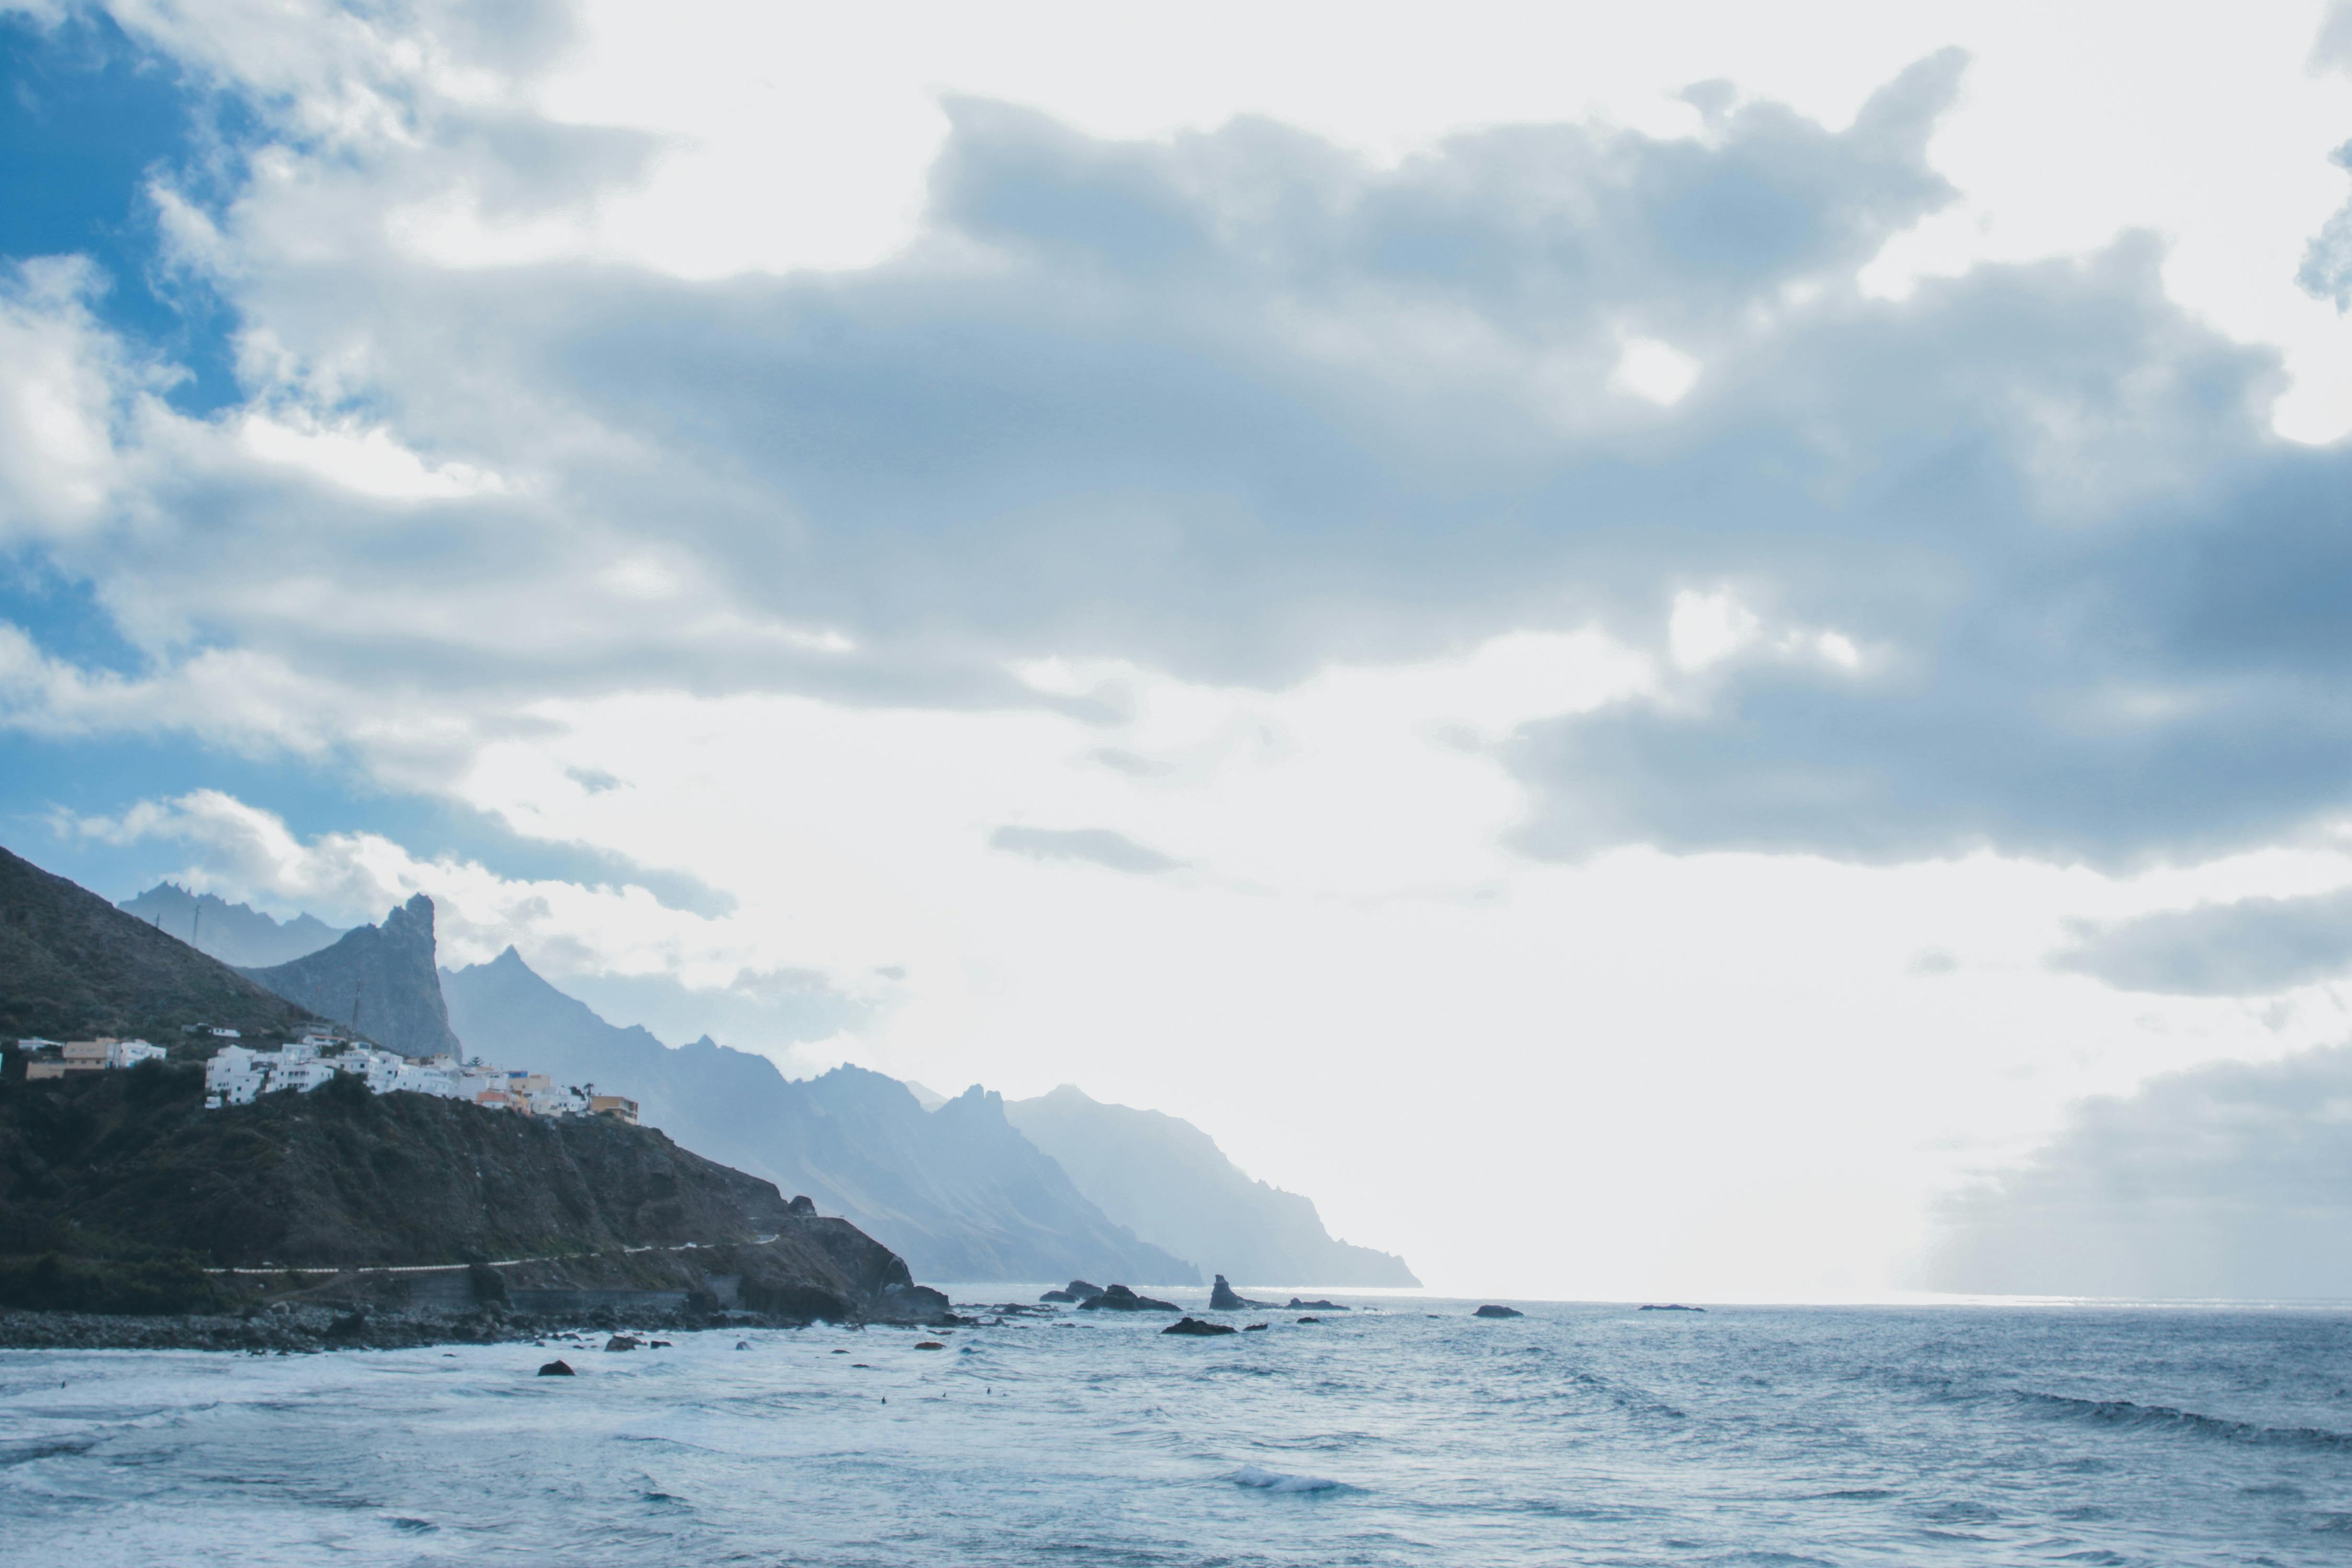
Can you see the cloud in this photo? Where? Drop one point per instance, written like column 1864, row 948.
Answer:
column 2251, row 947
column 664, row 932
column 2327, row 271
column 2231, row 1181
column 1098, row 845
column 2015, row 562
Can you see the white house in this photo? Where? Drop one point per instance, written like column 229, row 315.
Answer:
column 237, row 1075
column 130, row 1053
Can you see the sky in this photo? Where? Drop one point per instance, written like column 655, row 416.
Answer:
column 1675, row 650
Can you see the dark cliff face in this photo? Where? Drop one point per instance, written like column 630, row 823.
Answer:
column 129, row 1163
column 73, row 966
column 958, row 1191
column 379, row 981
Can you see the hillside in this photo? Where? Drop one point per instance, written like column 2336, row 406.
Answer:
column 379, row 981
column 959, row 1191
column 1169, row 1181
column 130, row 1165
column 73, row 966
column 236, row 934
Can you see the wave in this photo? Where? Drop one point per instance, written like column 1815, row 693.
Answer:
column 2163, row 1417
column 1276, row 1481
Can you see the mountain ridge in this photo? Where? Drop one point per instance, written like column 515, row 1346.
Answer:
column 379, row 981
column 237, row 934
column 74, row 967
column 960, row 1192
column 1171, row 1183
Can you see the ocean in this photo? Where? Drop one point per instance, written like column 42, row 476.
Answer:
column 1411, row 1434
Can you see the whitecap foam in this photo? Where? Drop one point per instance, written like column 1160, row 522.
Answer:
column 1276, row 1481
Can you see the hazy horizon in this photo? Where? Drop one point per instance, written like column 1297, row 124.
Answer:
column 1693, row 655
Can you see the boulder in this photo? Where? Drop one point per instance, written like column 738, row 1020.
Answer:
column 557, row 1369
column 1310, row 1320
column 1222, row 1299
column 1076, row 1290
column 1195, row 1326
column 1120, row 1298
column 1671, row 1307
column 1252, row 1328
column 622, row 1342
column 929, row 1345
column 1491, row 1310
column 1298, row 1306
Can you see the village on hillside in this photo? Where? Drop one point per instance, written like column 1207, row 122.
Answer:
column 239, row 1074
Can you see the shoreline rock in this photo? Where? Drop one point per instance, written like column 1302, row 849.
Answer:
column 308, row 1329
column 1491, row 1310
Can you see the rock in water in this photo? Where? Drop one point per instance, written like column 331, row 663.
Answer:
column 1195, row 1326
column 621, row 1342
column 1222, row 1299
column 1491, row 1310
column 1077, row 1290
column 1252, row 1328
column 1671, row 1307
column 557, row 1369
column 1120, row 1298
column 1298, row 1306
column 1310, row 1320
column 929, row 1345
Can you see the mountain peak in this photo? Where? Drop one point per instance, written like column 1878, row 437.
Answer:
column 381, row 981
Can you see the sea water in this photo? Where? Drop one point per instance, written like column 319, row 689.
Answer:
column 1411, row 1434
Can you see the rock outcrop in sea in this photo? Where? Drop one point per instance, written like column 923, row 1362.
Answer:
column 1195, row 1326
column 1120, row 1298
column 1222, row 1298
column 1491, row 1310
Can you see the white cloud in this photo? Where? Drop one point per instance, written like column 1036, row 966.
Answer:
column 1656, row 370
column 368, row 461
column 1268, row 503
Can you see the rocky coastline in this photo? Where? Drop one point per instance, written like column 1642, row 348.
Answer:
column 306, row 1330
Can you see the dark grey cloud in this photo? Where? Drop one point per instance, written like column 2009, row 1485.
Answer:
column 1099, row 845
column 1240, row 404
column 2228, row 1181
column 2249, row 948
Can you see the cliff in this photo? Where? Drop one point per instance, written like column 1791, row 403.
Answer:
column 379, row 981
column 129, row 1166
column 1169, row 1180
column 73, row 966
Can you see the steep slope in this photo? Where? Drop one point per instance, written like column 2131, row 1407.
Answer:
column 235, row 933
column 72, row 966
column 129, row 1165
column 1169, row 1181
column 379, row 981
column 985, row 1202
column 959, row 1194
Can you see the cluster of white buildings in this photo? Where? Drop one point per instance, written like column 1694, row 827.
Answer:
column 56, row 1059
column 238, row 1074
